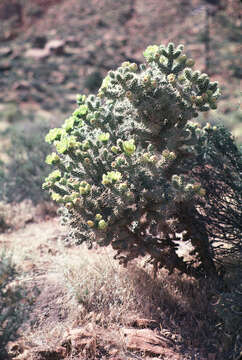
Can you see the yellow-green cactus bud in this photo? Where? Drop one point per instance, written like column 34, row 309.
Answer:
column 68, row 124
column 133, row 67
column 171, row 78
column 189, row 188
column 90, row 223
column 73, row 143
column 172, row 156
column 77, row 201
column 82, row 110
column 196, row 187
column 46, row 185
column 199, row 100
column 105, row 181
column 82, row 191
column 88, row 188
column 153, row 159
column 182, row 58
column 150, row 52
column 83, row 183
column 80, row 99
column 123, row 186
column 165, row 153
column 146, row 157
column 54, row 134
column 104, row 137
column 190, row 63
column 74, row 195
column 146, row 79
column 129, row 147
column 125, row 64
column 102, row 225
column 114, row 149
column 120, row 161
column 85, row 145
column 56, row 197
column 112, row 177
column 54, row 175
column 181, row 78
column 100, row 94
column 98, row 217
column 52, row 159
column 176, row 181
column 66, row 198
column 105, row 82
column 84, row 188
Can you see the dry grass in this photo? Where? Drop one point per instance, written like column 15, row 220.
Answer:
column 75, row 288
column 88, row 289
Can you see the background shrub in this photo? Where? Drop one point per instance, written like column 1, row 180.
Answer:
column 23, row 173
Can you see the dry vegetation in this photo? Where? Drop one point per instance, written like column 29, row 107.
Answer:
column 86, row 306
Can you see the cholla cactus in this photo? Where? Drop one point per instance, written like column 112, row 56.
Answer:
column 125, row 158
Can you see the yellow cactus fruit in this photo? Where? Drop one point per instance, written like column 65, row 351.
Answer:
column 90, row 223
column 98, row 217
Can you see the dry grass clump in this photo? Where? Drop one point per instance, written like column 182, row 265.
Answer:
column 86, row 287
column 14, row 216
column 78, row 291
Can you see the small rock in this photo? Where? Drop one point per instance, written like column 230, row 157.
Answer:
column 56, row 46
column 15, row 348
column 78, row 338
column 5, row 51
column 22, row 85
column 38, row 54
column 143, row 323
column 148, row 341
column 5, row 66
column 72, row 41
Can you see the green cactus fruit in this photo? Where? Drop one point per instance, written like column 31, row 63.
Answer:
column 102, row 225
column 129, row 147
